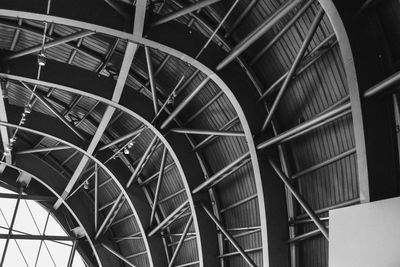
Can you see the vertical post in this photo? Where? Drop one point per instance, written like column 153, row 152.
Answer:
column 181, row 240
column 300, row 199
column 159, row 182
column 229, row 237
column 21, row 189
column 42, row 240
column 72, row 255
column 96, row 196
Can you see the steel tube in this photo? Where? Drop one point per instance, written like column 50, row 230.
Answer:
column 207, row 140
column 220, row 173
column 324, row 163
column 184, row 11
column 304, row 236
column 258, row 32
column 168, row 218
column 300, row 199
column 44, row 149
column 96, row 197
column 293, row 68
column 108, row 217
column 316, row 126
column 281, row 32
column 240, row 18
column 151, row 79
column 325, row 116
column 383, row 85
column 228, row 236
column 71, row 256
column 54, row 111
column 122, row 138
column 37, row 237
column 180, row 243
column 142, row 162
column 118, row 255
column 50, row 44
column 207, row 132
column 336, row 206
column 28, row 197
column 310, row 59
column 183, row 104
column 159, row 182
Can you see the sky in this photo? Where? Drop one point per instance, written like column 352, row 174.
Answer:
column 26, row 223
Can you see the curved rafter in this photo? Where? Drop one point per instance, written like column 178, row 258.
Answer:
column 167, row 113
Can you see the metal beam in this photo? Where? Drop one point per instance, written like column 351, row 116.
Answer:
column 239, row 19
column 184, row 103
column 300, row 199
column 119, row 256
column 151, row 79
column 304, row 126
column 258, row 32
column 96, row 196
column 130, row 52
column 5, row 138
column 228, row 236
column 71, row 256
column 207, row 132
column 168, row 218
column 9, row 235
column 159, row 182
column 225, row 127
column 296, row 63
column 281, row 32
column 180, row 243
column 110, row 214
column 28, row 197
column 221, row 172
column 59, row 41
column 384, row 85
column 184, row 11
column 37, row 237
column 143, row 161
column 311, row 58
column 43, row 149
column 54, row 111
column 324, row 163
column 123, row 138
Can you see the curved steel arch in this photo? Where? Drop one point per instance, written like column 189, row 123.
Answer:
column 100, row 164
column 129, row 112
column 64, row 203
column 208, row 72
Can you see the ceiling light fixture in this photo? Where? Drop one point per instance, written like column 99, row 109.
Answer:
column 41, row 58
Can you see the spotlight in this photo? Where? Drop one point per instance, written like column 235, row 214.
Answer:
column 86, row 185
column 13, row 139
column 171, row 100
column 41, row 58
column 126, row 151
column 130, row 144
column 28, row 109
column 8, row 148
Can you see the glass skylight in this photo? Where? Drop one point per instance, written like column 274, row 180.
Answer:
column 31, row 220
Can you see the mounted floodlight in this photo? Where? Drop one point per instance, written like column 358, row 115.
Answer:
column 126, row 151
column 28, row 109
column 41, row 59
column 86, row 185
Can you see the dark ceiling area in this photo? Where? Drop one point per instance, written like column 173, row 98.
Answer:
column 199, row 133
